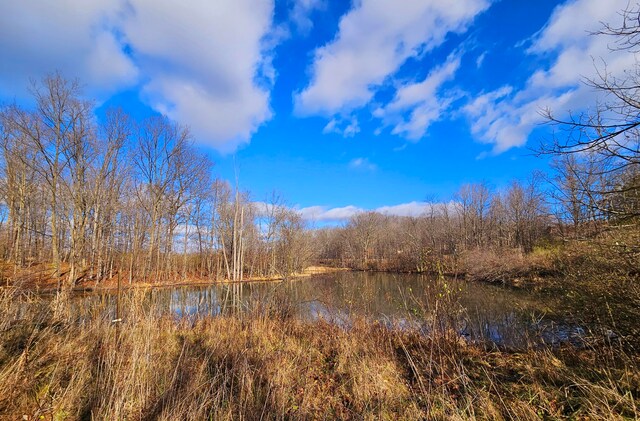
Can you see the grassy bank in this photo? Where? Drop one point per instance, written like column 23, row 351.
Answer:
column 268, row 365
column 607, row 261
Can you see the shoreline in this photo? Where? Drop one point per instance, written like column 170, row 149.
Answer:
column 111, row 284
column 528, row 278
column 48, row 286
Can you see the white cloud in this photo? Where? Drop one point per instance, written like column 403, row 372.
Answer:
column 422, row 100
column 202, row 58
column 352, row 129
column 480, row 59
column 506, row 117
column 322, row 213
column 362, row 164
column 407, row 209
column 326, row 214
column 330, row 127
column 262, row 209
column 345, row 127
column 74, row 37
column 199, row 62
column 374, row 39
column 300, row 12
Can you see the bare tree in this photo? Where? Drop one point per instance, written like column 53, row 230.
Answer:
column 610, row 131
column 53, row 140
column 107, row 177
column 525, row 209
column 160, row 144
column 363, row 231
column 19, row 187
column 472, row 205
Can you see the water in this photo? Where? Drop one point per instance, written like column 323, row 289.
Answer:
column 477, row 312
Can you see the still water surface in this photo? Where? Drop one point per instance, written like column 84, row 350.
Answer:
column 479, row 312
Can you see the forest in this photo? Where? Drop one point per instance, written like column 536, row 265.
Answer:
column 85, row 199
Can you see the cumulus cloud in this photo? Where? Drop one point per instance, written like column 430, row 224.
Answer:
column 38, row 37
column 506, row 117
column 204, row 64
column 374, row 39
column 423, row 101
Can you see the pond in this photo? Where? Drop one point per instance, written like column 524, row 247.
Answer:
column 478, row 312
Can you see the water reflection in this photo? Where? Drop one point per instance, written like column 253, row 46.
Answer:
column 478, row 312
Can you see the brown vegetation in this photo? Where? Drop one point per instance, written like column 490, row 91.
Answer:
column 509, row 266
column 266, row 365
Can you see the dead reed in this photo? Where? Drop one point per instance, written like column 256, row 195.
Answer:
column 267, row 364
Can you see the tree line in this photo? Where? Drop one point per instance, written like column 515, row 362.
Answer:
column 476, row 218
column 97, row 198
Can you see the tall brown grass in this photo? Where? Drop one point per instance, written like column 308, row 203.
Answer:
column 509, row 266
column 58, row 365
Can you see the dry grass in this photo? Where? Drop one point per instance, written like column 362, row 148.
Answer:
column 606, row 260
column 613, row 257
column 509, row 266
column 55, row 366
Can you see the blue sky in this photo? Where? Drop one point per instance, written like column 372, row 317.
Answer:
column 338, row 106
